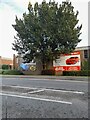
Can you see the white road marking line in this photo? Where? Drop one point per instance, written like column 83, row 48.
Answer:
column 43, row 89
column 73, row 81
column 67, row 91
column 37, row 91
column 19, row 87
column 35, row 98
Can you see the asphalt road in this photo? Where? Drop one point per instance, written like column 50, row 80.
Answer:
column 46, row 83
column 43, row 98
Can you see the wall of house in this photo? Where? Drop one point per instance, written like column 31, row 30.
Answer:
column 6, row 61
column 84, row 55
column 37, row 71
column 17, row 60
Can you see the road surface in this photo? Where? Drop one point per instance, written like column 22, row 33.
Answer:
column 43, row 98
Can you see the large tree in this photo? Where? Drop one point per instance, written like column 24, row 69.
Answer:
column 48, row 29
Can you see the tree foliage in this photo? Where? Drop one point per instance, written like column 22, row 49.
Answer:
column 47, row 30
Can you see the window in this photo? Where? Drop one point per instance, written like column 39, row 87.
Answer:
column 86, row 54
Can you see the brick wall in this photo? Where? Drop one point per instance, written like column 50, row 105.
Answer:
column 6, row 61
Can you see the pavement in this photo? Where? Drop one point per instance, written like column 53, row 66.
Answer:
column 76, row 78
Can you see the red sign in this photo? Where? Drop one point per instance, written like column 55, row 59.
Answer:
column 67, row 68
column 68, row 62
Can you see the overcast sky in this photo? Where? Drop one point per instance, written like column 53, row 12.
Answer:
column 10, row 8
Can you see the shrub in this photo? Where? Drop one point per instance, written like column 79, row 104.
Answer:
column 12, row 72
column 48, row 72
column 4, row 67
column 77, row 73
column 0, row 71
column 86, row 65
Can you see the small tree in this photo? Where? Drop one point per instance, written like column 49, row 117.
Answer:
column 86, row 65
column 47, row 30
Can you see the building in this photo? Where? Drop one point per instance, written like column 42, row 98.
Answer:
column 84, row 53
column 74, row 61
column 84, row 56
column 6, row 61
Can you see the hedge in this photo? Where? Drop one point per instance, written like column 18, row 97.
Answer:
column 0, row 71
column 48, row 72
column 77, row 73
column 11, row 72
column 5, row 67
column 67, row 73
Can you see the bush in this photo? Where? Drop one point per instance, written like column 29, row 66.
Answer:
column 48, row 72
column 86, row 65
column 77, row 73
column 6, row 67
column 12, row 72
column 0, row 71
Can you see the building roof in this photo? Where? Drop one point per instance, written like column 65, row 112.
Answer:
column 83, row 48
